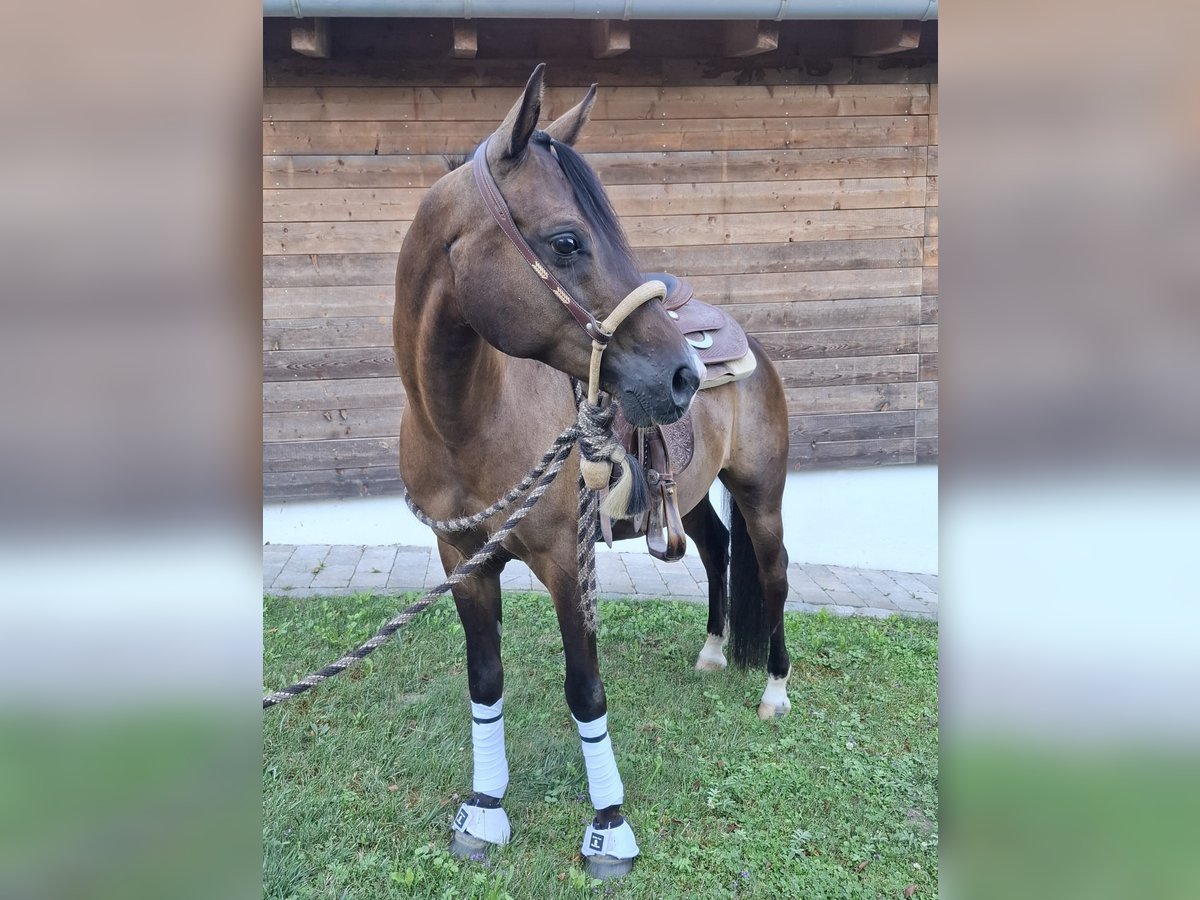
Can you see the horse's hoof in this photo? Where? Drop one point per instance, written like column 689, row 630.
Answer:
column 768, row 711
column 712, row 656
column 467, row 846
column 605, row 867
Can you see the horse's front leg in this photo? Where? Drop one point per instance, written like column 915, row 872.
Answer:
column 481, row 821
column 608, row 843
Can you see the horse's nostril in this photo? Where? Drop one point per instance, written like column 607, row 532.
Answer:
column 684, row 384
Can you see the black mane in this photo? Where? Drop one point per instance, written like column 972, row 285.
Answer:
column 589, row 192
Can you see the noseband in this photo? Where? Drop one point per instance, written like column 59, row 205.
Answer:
column 599, row 332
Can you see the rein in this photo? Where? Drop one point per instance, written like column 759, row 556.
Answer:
column 598, row 451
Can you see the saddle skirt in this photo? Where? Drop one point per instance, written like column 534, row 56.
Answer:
column 665, row 451
column 716, row 337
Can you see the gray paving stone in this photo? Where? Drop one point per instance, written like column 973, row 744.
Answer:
column 930, row 581
column 278, row 552
column 824, row 578
column 344, row 555
column 862, row 588
column 882, row 582
column 871, row 612
column 906, row 580
column 333, row 576
column 911, row 604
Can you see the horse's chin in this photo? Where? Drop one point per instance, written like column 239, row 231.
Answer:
column 641, row 414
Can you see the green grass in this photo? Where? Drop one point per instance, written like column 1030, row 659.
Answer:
column 362, row 776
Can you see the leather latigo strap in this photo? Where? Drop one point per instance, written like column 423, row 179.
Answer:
column 496, row 205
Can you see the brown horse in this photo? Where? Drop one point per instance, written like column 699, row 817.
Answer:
column 485, row 353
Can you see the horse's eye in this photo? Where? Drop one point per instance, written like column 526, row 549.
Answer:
column 565, row 244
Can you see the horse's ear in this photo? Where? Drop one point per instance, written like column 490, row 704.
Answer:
column 514, row 132
column 566, row 127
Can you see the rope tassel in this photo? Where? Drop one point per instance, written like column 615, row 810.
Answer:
column 630, row 496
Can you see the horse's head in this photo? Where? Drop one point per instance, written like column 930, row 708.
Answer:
column 560, row 208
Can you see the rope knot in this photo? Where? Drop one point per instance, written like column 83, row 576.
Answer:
column 599, row 450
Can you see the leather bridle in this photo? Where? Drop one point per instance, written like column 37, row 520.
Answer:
column 496, row 205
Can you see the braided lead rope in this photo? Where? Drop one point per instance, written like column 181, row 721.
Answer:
column 464, row 571
column 550, row 465
column 467, row 523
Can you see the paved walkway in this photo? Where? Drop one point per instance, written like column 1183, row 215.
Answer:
column 321, row 569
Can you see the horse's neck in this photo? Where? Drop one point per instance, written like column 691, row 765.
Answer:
column 457, row 376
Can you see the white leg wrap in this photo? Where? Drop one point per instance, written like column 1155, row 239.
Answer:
column 487, row 742
column 604, row 782
column 490, row 825
column 712, row 654
column 617, row 841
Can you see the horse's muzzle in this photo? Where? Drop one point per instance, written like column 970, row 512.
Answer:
column 653, row 391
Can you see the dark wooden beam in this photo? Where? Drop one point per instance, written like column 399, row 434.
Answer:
column 610, row 37
column 311, row 37
column 749, row 38
column 466, row 39
column 882, row 38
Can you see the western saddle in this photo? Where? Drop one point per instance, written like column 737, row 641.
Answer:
column 665, row 451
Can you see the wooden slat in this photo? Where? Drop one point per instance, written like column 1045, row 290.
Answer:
column 349, row 393
column 813, row 314
column 927, row 450
column 927, row 422
column 851, row 398
column 929, row 367
column 927, row 395
column 931, row 220
column 848, row 370
column 296, row 456
column 929, row 255
column 929, row 309
column 851, row 454
column 787, row 286
column 863, row 426
column 316, row 302
column 368, row 72
column 781, row 345
column 366, row 269
column 753, row 228
column 931, row 191
column 643, row 231
column 929, row 339
column 314, row 333
column 390, row 204
column 798, row 256
column 490, row 104
column 334, row 270
column 352, row 362
column 329, row 484
column 929, row 280
column 615, row 134
column 932, row 158
column 330, row 424
column 634, row 167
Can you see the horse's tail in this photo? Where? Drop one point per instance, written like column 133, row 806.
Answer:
column 748, row 635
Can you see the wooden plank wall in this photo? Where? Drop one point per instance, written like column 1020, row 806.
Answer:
column 801, row 196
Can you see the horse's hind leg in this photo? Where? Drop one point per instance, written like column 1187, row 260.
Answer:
column 711, row 539
column 758, row 588
column 481, row 820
